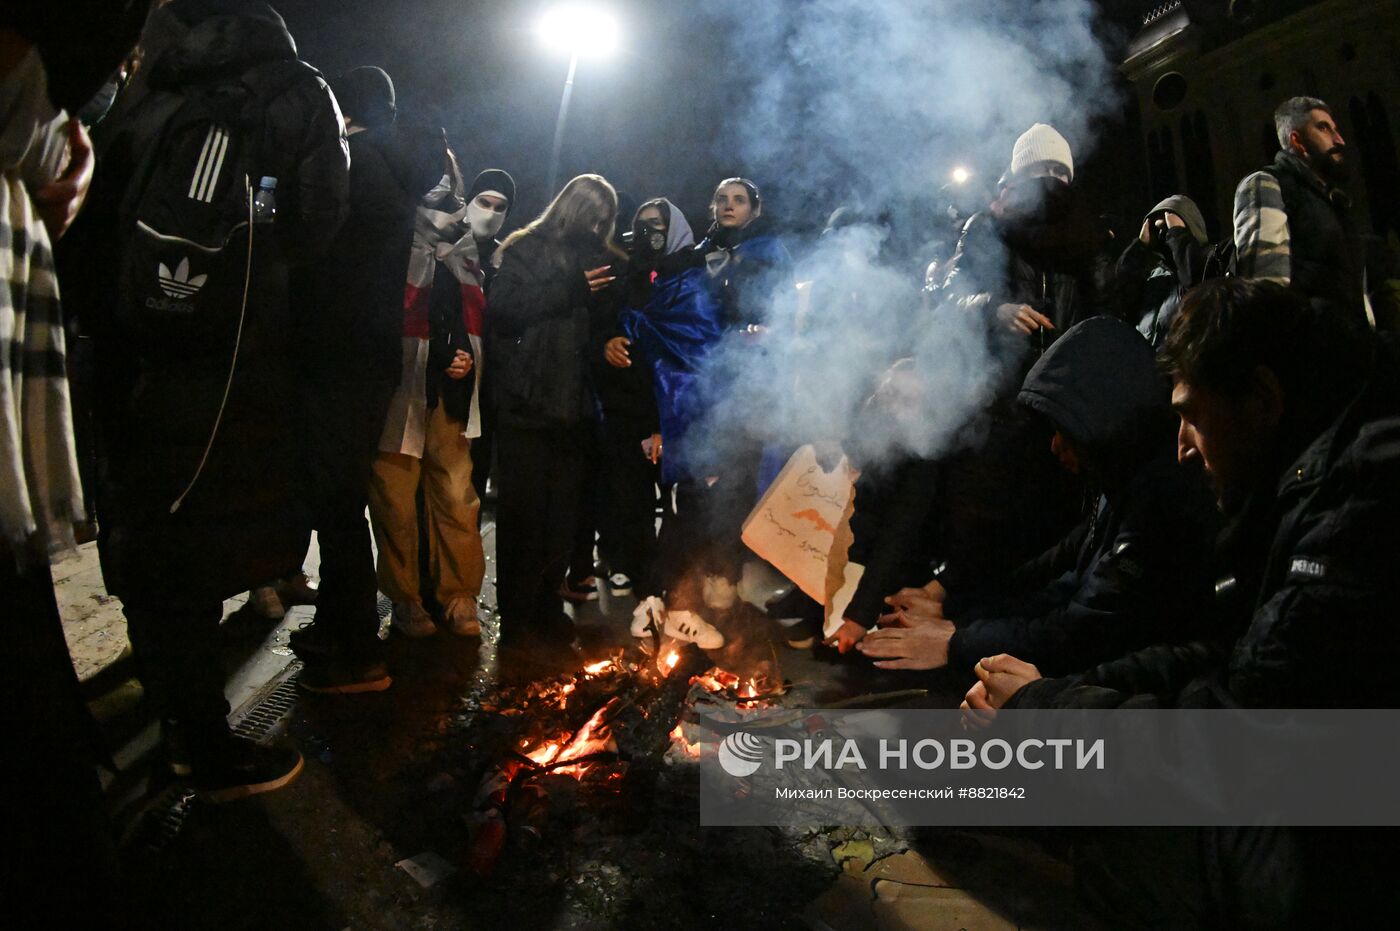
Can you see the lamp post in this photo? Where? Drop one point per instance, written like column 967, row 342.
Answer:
column 578, row 30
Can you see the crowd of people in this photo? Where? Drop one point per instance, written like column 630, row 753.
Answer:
column 1181, row 492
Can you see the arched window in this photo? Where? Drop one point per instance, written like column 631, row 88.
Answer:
column 1200, row 167
column 1161, row 163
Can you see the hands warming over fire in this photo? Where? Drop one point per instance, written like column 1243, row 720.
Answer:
column 914, row 634
column 847, row 636
column 915, row 606
column 921, row 645
column 998, row 678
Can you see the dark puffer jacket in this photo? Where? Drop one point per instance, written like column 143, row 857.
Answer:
column 354, row 295
column 539, row 333
column 1151, row 280
column 1132, row 571
column 158, row 407
column 1322, row 598
column 1055, row 260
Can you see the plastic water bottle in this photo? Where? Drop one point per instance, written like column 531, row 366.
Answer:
column 265, row 201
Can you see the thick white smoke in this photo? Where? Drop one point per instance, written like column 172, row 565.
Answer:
column 873, row 102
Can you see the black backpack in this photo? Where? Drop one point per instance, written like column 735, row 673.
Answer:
column 193, row 257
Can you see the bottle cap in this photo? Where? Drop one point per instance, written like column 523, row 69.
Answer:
column 269, row 183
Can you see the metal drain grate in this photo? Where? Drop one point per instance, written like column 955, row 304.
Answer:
column 261, row 715
column 162, row 818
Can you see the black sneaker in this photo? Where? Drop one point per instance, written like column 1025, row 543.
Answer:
column 579, row 592
column 241, row 768
column 337, row 675
column 310, row 641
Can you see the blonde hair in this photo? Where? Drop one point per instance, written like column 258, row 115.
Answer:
column 586, row 206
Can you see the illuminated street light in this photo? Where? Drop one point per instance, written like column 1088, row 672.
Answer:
column 580, row 31
column 960, row 175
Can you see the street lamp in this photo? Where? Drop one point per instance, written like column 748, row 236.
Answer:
column 960, row 175
column 578, row 30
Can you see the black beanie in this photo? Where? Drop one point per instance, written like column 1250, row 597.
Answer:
column 494, row 179
column 366, row 95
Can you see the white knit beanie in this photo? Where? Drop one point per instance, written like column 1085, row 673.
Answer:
column 1041, row 143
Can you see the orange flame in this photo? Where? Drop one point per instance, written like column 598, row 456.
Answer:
column 593, row 669
column 668, row 662
column 593, row 737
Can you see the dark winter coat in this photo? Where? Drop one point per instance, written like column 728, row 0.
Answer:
column 1152, row 281
column 539, row 334
column 354, row 294
column 1139, row 565
column 1058, row 265
column 625, row 395
column 237, row 527
column 1314, row 585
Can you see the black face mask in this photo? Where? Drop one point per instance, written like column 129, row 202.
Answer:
column 1043, row 199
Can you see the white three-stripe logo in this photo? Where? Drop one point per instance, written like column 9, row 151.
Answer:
column 211, row 160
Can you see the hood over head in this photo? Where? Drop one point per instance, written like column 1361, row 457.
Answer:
column 81, row 44
column 1186, row 208
column 1100, row 386
column 221, row 38
column 497, row 180
column 366, row 95
column 679, row 235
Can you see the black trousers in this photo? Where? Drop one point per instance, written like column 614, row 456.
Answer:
column 175, row 642
column 591, row 525
column 629, row 543
column 342, row 424
column 539, row 485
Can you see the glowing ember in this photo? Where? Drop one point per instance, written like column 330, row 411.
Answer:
column 593, row 737
column 749, row 690
column 668, row 662
column 716, row 680
column 593, row 669
column 686, row 747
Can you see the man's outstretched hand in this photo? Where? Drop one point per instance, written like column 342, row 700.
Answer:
column 919, row 646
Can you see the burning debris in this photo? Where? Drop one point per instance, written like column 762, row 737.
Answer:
column 609, row 725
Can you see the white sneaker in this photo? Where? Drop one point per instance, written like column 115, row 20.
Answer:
column 649, row 613
column 265, row 602
column 683, row 625
column 619, row 585
column 460, row 615
column 411, row 620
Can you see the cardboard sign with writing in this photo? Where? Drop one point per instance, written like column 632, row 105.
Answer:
column 802, row 525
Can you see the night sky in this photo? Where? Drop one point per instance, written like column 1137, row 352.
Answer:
column 665, row 115
column 647, row 116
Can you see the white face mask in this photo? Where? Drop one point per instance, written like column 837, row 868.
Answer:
column 484, row 221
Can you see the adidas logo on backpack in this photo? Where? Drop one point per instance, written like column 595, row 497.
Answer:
column 180, row 284
column 190, row 206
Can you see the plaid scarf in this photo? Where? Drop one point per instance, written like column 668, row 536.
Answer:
column 40, row 494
